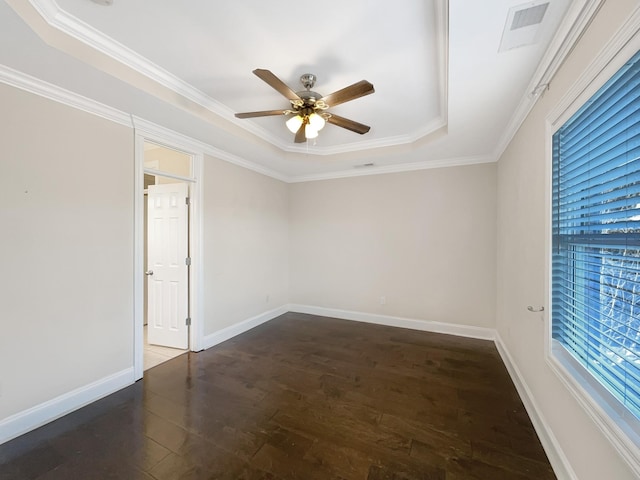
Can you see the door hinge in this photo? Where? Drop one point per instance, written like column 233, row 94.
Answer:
column 187, row 261
column 188, row 321
column 187, row 200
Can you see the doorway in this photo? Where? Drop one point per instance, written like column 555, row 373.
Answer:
column 166, row 254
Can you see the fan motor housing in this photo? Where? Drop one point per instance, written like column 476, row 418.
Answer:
column 308, row 80
column 309, row 97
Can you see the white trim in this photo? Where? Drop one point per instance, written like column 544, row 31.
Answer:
column 69, row 24
column 138, row 258
column 442, row 48
column 576, row 20
column 561, row 466
column 617, row 426
column 406, row 167
column 164, row 137
column 622, row 46
column 437, row 124
column 58, row 94
column 469, row 331
column 196, row 279
column 172, row 176
column 238, row 328
column 572, row 27
column 56, row 17
column 173, row 141
column 154, row 132
column 230, row 158
column 34, row 417
column 574, row 24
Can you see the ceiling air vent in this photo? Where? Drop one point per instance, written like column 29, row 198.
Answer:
column 523, row 25
column 529, row 16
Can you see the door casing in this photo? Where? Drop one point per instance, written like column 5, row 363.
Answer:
column 174, row 141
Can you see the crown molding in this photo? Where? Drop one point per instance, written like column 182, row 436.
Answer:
column 361, row 171
column 398, row 140
column 624, row 43
column 164, row 136
column 72, row 26
column 157, row 133
column 577, row 19
column 26, row 82
column 85, row 33
column 231, row 158
column 442, row 54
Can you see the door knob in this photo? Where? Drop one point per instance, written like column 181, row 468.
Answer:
column 149, row 272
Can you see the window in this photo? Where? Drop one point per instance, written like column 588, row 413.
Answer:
column 596, row 236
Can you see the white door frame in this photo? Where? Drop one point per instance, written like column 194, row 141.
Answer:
column 176, row 142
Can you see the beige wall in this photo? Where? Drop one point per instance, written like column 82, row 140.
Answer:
column 523, row 266
column 246, row 244
column 425, row 240
column 66, row 246
column 66, row 210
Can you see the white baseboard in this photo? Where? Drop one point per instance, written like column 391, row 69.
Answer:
column 34, row 417
column 559, row 462
column 238, row 328
column 411, row 323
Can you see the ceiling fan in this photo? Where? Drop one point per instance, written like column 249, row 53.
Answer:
column 309, row 109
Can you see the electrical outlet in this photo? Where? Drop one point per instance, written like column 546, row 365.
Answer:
column 383, row 300
column 267, row 299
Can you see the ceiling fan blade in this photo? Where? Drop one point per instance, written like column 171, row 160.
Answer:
column 357, row 90
column 348, row 124
column 300, row 134
column 276, row 83
column 266, row 113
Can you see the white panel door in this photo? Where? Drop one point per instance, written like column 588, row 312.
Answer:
column 167, row 230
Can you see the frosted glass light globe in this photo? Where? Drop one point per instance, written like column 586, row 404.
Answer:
column 294, row 123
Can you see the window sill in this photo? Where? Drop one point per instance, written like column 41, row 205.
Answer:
column 619, row 426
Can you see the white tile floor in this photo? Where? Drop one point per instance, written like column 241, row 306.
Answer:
column 155, row 355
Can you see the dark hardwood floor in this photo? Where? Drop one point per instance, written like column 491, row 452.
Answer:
column 301, row 397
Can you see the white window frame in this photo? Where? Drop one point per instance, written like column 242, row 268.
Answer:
column 618, row 425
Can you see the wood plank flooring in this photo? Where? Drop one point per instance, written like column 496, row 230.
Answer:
column 301, row 397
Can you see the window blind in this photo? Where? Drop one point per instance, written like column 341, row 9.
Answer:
column 596, row 235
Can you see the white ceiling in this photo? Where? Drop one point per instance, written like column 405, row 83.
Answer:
column 445, row 92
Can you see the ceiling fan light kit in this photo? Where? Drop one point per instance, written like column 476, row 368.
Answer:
column 294, row 123
column 309, row 108
column 317, row 121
